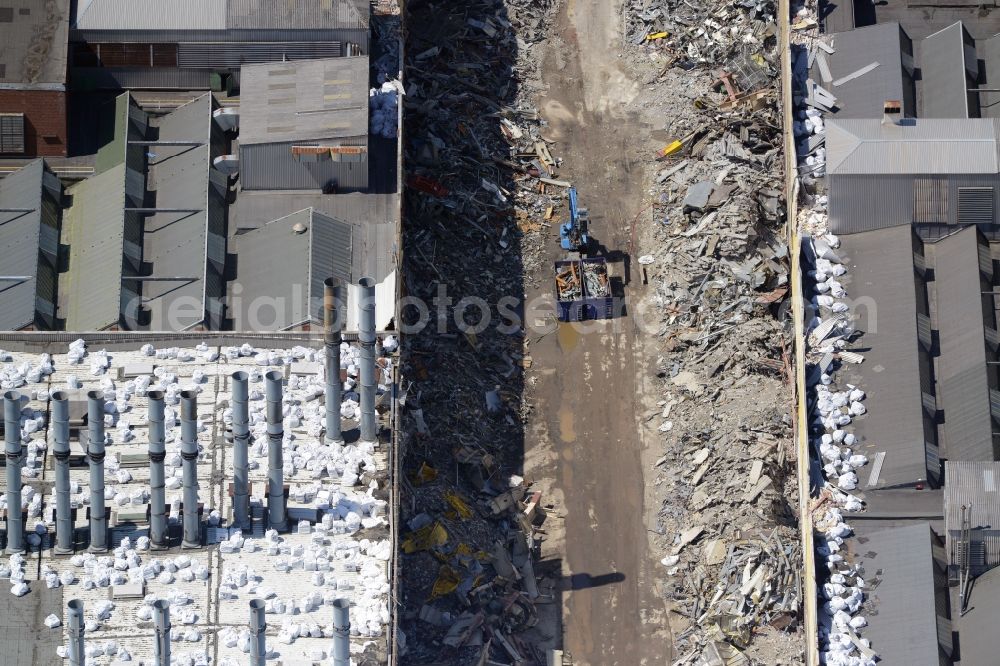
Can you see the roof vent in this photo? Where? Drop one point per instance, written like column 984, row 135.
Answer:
column 892, row 112
column 299, row 228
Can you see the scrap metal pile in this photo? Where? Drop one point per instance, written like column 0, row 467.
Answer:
column 716, row 262
column 480, row 178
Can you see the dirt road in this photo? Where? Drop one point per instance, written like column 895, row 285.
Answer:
column 585, row 439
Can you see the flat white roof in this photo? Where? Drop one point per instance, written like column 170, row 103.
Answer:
column 344, row 550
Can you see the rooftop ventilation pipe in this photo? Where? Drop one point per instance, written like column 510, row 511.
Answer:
column 60, row 450
column 241, row 441
column 157, row 475
column 258, row 629
column 189, row 455
column 275, row 465
column 333, row 325
column 75, row 613
column 341, row 632
column 12, row 447
column 366, row 326
column 161, row 620
column 95, row 452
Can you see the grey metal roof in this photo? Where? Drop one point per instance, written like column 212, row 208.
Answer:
column 150, row 14
column 975, row 485
column 19, row 238
column 34, row 44
column 880, row 282
column 903, row 627
column 93, row 227
column 978, row 638
column 282, row 266
column 961, row 376
column 175, row 244
column 297, row 14
column 914, row 146
column 989, row 51
column 304, row 100
column 863, row 97
column 219, row 14
column 944, row 58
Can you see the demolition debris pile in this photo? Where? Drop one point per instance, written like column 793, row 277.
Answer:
column 482, row 190
column 716, row 263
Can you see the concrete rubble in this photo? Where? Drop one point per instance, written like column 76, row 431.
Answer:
column 715, row 258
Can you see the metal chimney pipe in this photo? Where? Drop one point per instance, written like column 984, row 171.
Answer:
column 366, row 335
column 12, row 448
column 75, row 612
column 276, row 517
column 333, row 325
column 60, row 450
column 258, row 629
column 95, row 452
column 341, row 632
column 157, row 476
column 241, row 442
column 161, row 619
column 189, row 454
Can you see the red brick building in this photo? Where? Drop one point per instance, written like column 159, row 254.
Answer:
column 35, row 35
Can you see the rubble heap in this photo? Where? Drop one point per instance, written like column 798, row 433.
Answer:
column 479, row 173
column 716, row 263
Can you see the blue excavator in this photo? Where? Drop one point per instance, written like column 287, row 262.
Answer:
column 573, row 235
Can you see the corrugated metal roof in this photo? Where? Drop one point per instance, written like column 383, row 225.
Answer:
column 962, row 380
column 304, row 100
column 943, row 62
column 901, row 610
column 978, row 637
column 34, row 44
column 297, row 14
column 175, row 244
column 880, row 281
column 220, row 14
column 280, row 272
column 150, row 14
column 914, row 146
column 19, row 238
column 93, row 227
column 989, row 51
column 272, row 166
column 977, row 485
column 864, row 96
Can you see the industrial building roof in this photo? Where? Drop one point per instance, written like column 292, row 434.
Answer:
column 219, row 15
column 171, row 241
column 979, row 641
column 880, row 281
column 964, row 391
column 281, row 269
column 176, row 244
column 975, row 484
column 20, row 229
column 34, row 43
column 93, row 228
column 304, row 100
column 925, row 146
column 988, row 50
column 348, row 533
column 863, row 97
column 900, row 606
column 947, row 57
